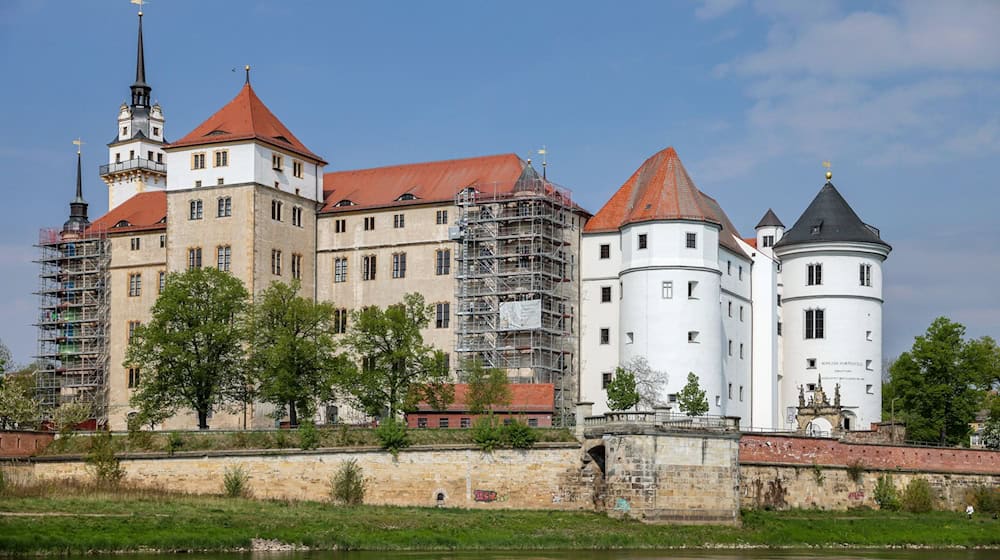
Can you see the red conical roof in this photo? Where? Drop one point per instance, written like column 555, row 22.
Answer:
column 245, row 118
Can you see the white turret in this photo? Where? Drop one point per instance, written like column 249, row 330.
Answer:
column 831, row 276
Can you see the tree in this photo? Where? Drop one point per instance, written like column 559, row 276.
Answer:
column 395, row 361
column 488, row 387
column 648, row 382
column 191, row 354
column 692, row 399
column 293, row 353
column 622, row 391
column 18, row 406
column 6, row 362
column 935, row 382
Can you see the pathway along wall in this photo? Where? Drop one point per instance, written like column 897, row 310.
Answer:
column 782, row 471
column 548, row 476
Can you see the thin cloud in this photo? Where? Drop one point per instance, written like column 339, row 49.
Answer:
column 712, row 9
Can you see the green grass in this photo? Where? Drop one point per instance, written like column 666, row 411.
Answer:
column 276, row 439
column 142, row 519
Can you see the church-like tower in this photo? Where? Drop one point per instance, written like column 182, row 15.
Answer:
column 136, row 161
column 831, row 276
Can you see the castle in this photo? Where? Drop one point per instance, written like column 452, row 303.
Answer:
column 517, row 273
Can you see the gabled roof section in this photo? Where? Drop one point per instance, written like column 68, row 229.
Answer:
column 661, row 189
column 428, row 182
column 829, row 218
column 770, row 219
column 144, row 211
column 245, row 118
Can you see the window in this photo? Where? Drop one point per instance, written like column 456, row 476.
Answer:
column 159, row 158
column 339, row 270
column 276, row 162
column 133, row 377
column 136, row 242
column 729, row 395
column 741, row 393
column 276, row 262
column 868, row 335
column 693, row 337
column 297, row 216
column 197, row 161
column 810, row 363
column 865, row 274
column 135, row 284
column 667, row 290
column 767, row 241
column 605, row 251
column 741, row 313
column 814, row 275
column 118, row 158
column 814, row 323
column 220, row 181
column 442, row 265
column 132, row 326
column 340, row 321
column 740, row 276
column 629, row 338
column 297, row 168
column 691, row 240
column 642, row 241
column 465, row 422
column 441, row 217
column 368, row 265
column 779, row 300
column 195, row 210
column 225, row 207
column 442, row 422
column 156, row 131
column 296, row 266
column 672, row 397
column 276, row 210
column 197, row 184
column 730, row 309
column 868, row 390
column 730, row 347
column 421, row 422
column 605, row 379
column 340, row 226
column 605, row 294
column 779, row 328
column 163, row 282
column 131, row 155
column 442, row 315
column 399, row 265
column 194, row 258
column 605, row 336
column 718, row 400
column 149, row 155
column 868, row 365
column 532, row 422
column 369, row 223
column 691, row 289
column 741, row 350
column 222, row 158
column 398, row 221
column 163, row 241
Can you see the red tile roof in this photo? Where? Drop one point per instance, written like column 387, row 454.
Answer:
column 433, row 181
column 662, row 190
column 244, row 118
column 525, row 397
column 144, row 211
column 751, row 241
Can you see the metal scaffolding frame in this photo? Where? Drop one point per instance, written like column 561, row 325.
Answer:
column 514, row 247
column 74, row 292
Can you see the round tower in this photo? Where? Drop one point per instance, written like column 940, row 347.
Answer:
column 769, row 232
column 831, row 276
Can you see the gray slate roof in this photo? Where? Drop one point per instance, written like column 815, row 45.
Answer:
column 829, row 218
column 770, row 219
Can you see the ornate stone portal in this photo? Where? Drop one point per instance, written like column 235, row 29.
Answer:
column 818, row 417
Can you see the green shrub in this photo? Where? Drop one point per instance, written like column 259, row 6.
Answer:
column 3, row 482
column 281, row 439
column 519, row 435
column 487, row 434
column 308, row 435
column 918, row 497
column 106, row 468
column 138, row 439
column 236, row 482
column 392, row 436
column 986, row 499
column 856, row 470
column 347, row 485
column 885, row 494
column 174, row 442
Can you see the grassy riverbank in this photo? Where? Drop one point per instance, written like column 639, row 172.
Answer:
column 134, row 520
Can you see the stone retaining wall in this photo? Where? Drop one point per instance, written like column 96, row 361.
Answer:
column 15, row 443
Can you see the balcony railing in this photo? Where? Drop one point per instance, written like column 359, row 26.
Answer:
column 136, row 163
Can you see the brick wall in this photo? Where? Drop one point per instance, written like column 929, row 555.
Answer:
column 23, row 444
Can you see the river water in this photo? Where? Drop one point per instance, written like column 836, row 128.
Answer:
column 753, row 554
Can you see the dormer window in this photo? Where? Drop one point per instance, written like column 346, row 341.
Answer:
column 816, row 228
column 124, row 131
column 156, row 131
column 344, row 202
column 276, row 162
column 407, row 196
column 123, row 223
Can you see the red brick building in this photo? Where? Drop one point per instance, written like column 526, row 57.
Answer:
column 531, row 403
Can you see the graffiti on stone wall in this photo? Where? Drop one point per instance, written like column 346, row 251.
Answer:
column 622, row 505
column 488, row 496
column 858, row 495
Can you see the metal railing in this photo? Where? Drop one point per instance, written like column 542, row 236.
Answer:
column 136, row 163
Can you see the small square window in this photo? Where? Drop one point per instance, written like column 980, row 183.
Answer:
column 605, row 251
column 869, row 389
column 672, row 398
column 868, row 335
column 421, row 422
column 693, row 337
column 605, row 294
column 718, row 400
column 442, row 422
column 605, row 336
column 643, row 241
column 810, row 363
column 629, row 338
column 605, row 379
column 532, row 422
column 691, row 240
column 810, row 386
column 868, row 365
column 465, row 422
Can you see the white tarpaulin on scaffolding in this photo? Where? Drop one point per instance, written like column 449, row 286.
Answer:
column 516, row 315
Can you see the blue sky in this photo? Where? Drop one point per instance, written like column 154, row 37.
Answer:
column 902, row 97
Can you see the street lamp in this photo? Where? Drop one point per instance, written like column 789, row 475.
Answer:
column 892, row 406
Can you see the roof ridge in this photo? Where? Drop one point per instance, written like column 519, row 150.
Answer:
column 422, row 163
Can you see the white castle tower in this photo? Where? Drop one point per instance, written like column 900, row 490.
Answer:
column 135, row 157
column 831, row 276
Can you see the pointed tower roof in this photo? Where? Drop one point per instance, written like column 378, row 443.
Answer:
column 770, row 219
column 78, row 220
column 245, row 118
column 140, row 89
column 661, row 189
column 829, row 218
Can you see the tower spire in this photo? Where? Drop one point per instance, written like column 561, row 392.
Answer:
column 140, row 89
column 78, row 220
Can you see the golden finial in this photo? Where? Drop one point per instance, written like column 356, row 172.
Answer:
column 139, row 3
column 247, row 69
column 79, row 145
column 829, row 174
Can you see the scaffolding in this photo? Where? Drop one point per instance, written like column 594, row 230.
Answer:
column 74, row 293
column 515, row 283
